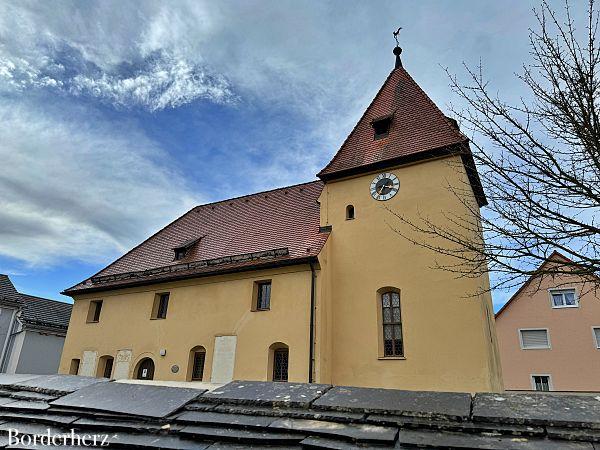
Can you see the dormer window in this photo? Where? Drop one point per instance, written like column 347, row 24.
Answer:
column 182, row 250
column 180, row 253
column 381, row 126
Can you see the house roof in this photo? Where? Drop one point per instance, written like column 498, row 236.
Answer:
column 554, row 256
column 38, row 311
column 417, row 127
column 8, row 292
column 269, row 228
column 247, row 414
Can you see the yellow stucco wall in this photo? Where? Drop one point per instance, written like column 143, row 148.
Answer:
column 198, row 311
column 449, row 340
column 449, row 337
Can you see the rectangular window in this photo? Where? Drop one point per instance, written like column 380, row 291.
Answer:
column 94, row 311
column 161, row 305
column 198, row 366
column 534, row 339
column 280, row 364
column 392, row 324
column 596, row 331
column 541, row 382
column 563, row 298
column 74, row 368
column 263, row 296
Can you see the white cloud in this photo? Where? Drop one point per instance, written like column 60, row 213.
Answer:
column 75, row 186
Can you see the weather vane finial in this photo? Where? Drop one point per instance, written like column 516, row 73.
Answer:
column 397, row 49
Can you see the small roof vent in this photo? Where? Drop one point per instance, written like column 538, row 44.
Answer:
column 381, row 126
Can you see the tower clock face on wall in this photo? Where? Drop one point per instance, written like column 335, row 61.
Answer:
column 384, row 186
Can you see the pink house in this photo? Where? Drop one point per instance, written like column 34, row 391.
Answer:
column 549, row 335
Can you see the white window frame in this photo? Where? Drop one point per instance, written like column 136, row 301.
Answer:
column 559, row 291
column 550, row 385
column 534, row 329
column 595, row 327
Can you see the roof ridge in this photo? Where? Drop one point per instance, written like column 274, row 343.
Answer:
column 359, row 120
column 256, row 193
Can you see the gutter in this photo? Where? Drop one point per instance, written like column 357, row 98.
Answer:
column 311, row 351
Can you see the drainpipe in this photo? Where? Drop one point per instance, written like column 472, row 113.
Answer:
column 311, row 350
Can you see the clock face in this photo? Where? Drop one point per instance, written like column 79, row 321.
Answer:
column 384, row 186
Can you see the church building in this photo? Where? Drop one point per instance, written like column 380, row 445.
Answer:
column 311, row 282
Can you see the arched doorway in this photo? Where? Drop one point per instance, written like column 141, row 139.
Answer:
column 145, row 369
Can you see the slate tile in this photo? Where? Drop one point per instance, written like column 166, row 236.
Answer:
column 85, row 423
column 57, row 384
column 135, row 399
column 240, row 435
column 328, row 443
column 354, row 432
column 574, row 434
column 24, row 404
column 230, row 446
column 7, row 380
column 5, row 400
column 440, row 439
column 538, row 409
column 27, row 395
column 267, row 393
column 58, row 419
column 200, row 405
column 389, row 401
column 224, row 419
column 451, row 425
column 299, row 413
column 156, row 441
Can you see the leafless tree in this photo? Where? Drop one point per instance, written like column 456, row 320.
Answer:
column 540, row 164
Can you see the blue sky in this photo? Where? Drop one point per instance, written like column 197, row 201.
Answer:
column 116, row 117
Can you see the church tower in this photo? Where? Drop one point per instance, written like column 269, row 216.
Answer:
column 379, row 290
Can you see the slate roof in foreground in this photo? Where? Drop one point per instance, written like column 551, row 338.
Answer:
column 270, row 228
column 246, row 414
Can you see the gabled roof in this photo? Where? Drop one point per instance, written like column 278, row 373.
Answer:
column 43, row 312
column 554, row 257
column 8, row 292
column 417, row 127
column 275, row 227
column 36, row 312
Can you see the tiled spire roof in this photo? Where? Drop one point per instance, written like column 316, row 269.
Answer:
column 417, row 128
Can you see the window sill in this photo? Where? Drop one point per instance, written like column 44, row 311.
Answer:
column 92, row 321
column 261, row 310
column 565, row 306
column 392, row 358
column 157, row 318
column 536, row 348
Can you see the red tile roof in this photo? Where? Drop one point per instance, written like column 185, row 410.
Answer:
column 417, row 127
column 230, row 231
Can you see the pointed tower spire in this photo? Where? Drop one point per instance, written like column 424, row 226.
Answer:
column 397, row 49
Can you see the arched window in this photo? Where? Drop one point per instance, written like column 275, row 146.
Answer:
column 392, row 324
column 279, row 361
column 196, row 363
column 145, row 369
column 349, row 212
column 105, row 366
